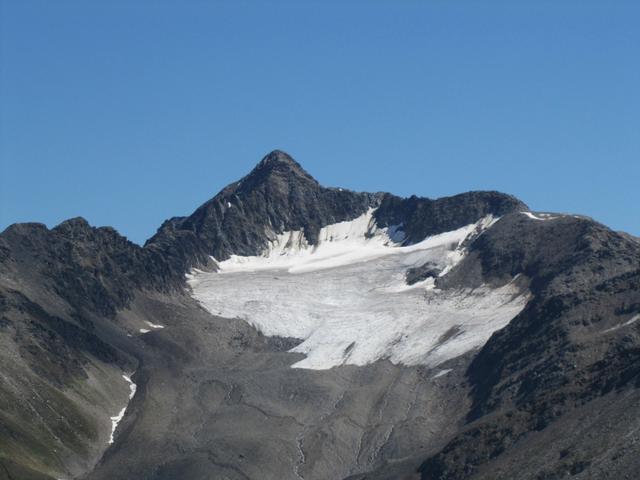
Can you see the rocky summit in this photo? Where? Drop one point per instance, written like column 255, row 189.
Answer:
column 287, row 330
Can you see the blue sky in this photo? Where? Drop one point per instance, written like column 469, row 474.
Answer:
column 130, row 112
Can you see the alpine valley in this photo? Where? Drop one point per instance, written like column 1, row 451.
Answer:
column 287, row 330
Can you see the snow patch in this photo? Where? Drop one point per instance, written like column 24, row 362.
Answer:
column 348, row 300
column 116, row 419
column 342, row 244
column 153, row 326
column 541, row 216
column 132, row 386
column 441, row 373
column 194, row 271
column 632, row 320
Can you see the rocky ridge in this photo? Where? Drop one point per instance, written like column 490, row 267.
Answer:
column 534, row 402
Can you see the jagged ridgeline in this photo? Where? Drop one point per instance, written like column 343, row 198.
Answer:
column 455, row 338
column 279, row 196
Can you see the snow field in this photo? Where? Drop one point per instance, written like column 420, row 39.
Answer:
column 347, row 298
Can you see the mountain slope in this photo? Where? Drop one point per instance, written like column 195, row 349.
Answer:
column 82, row 307
column 59, row 290
column 278, row 195
column 573, row 350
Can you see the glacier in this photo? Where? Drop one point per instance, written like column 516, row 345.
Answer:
column 347, row 299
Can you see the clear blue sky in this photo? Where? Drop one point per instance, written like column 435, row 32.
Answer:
column 129, row 112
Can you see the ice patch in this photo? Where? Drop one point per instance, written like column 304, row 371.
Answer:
column 116, row 419
column 348, row 300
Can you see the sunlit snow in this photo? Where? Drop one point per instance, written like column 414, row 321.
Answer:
column 153, row 326
column 347, row 298
column 542, row 216
column 631, row 321
column 442, row 373
column 116, row 419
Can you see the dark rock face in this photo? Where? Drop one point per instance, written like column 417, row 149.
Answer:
column 60, row 291
column 571, row 347
column 277, row 196
column 422, row 217
column 417, row 274
column 553, row 394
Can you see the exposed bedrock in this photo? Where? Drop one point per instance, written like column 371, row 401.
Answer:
column 552, row 393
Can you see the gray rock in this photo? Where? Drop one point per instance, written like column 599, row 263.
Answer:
column 553, row 394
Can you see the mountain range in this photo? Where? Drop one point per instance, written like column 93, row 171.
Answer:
column 287, row 330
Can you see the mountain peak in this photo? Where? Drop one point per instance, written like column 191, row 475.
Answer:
column 279, row 163
column 279, row 196
column 278, row 157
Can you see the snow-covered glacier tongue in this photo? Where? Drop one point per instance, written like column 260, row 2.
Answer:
column 348, row 300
